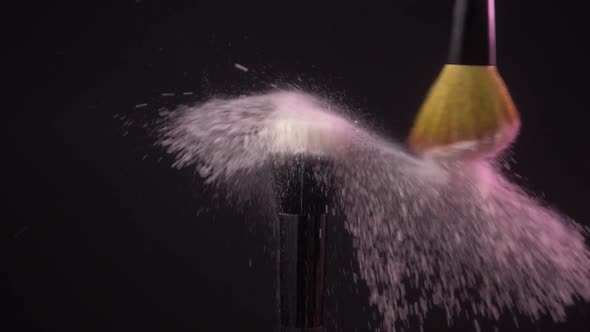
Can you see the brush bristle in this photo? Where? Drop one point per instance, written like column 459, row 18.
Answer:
column 468, row 113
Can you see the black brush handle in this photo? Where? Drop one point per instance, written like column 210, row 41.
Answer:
column 302, row 248
column 473, row 36
column 302, row 270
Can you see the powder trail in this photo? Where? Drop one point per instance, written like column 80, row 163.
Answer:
column 428, row 233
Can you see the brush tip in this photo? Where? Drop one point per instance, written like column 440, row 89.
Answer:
column 468, row 113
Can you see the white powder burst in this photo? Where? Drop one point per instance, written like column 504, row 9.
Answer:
column 457, row 234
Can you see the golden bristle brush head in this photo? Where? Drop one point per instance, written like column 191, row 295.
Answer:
column 468, row 112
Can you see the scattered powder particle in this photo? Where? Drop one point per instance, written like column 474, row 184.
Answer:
column 240, row 67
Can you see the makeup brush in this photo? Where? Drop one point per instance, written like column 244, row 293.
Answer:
column 468, row 112
column 302, row 250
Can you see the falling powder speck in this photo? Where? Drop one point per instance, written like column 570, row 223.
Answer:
column 458, row 233
column 240, row 67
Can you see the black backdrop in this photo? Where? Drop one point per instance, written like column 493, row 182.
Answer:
column 104, row 236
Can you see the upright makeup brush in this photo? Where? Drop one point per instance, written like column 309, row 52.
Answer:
column 302, row 250
column 468, row 112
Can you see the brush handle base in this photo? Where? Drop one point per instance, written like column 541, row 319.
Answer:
column 302, row 270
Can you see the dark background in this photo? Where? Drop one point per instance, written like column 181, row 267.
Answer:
column 104, row 236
